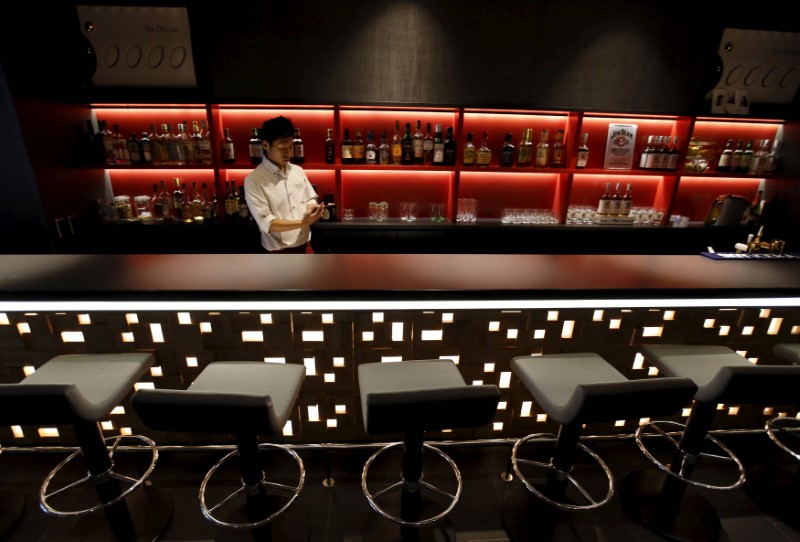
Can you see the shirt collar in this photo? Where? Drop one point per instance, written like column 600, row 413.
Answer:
column 274, row 169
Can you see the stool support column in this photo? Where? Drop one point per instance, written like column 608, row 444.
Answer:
column 566, row 450
column 410, row 495
column 248, row 460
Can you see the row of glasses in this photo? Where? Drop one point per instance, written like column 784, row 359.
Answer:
column 528, row 216
column 408, row 211
column 467, row 210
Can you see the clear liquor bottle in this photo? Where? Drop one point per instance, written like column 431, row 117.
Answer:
column 525, row 151
column 484, row 155
column 543, row 150
column 427, row 147
column 187, row 143
column 177, row 156
column 583, row 152
column 155, row 205
column 559, row 156
column 166, row 202
column 384, row 152
column 468, row 157
column 197, row 139
column 196, row 204
column 177, row 201
column 507, row 152
column 419, row 145
column 206, row 156
column 208, row 207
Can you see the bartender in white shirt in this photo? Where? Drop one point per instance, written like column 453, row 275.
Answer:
column 279, row 195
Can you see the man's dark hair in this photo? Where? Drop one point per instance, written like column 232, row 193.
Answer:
column 276, row 128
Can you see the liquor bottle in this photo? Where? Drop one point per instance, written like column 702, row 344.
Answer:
column 674, row 155
column 163, row 138
column 449, row 148
column 206, row 156
column 438, row 147
column 559, row 158
column 759, row 162
column 347, row 148
column 209, row 208
column 666, row 149
column 196, row 204
column 626, row 203
column 177, row 156
column 371, row 151
column 186, row 143
column 134, row 150
column 397, row 145
column 755, row 206
column 726, row 157
column 427, row 147
column 654, row 156
column 155, row 205
column 358, row 148
column 227, row 205
column 104, row 134
column 419, row 145
column 329, row 212
column 197, row 140
column 736, row 159
column 468, row 158
column 543, row 150
column 645, row 156
column 773, row 161
column 616, row 201
column 604, row 205
column 166, row 202
column 298, row 148
column 507, row 152
column 146, row 149
column 242, row 210
column 407, row 147
column 525, row 151
column 256, row 152
column 484, row 155
column 177, row 201
column 121, row 155
column 228, row 149
column 747, row 158
column 330, row 148
column 384, row 152
column 583, row 152
column 232, row 208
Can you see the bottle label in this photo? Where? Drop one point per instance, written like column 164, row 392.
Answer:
column 347, row 152
column 604, row 207
column 418, row 148
column 558, row 157
column 372, row 156
column 583, row 159
column 438, row 154
column 228, row 152
column 298, row 150
column 541, row 157
column 469, row 156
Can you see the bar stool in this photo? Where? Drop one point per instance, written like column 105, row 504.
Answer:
column 81, row 390
column 776, row 489
column 575, row 389
column 661, row 499
column 247, row 400
column 411, row 397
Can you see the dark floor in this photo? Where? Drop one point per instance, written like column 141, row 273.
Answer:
column 341, row 512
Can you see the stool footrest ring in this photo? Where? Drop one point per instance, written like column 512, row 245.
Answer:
column 292, row 491
column 729, row 455
column 783, row 424
column 593, row 503
column 44, row 496
column 372, row 497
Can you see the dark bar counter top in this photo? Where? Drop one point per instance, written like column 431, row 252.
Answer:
column 389, row 276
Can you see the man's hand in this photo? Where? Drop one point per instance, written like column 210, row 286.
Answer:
column 312, row 214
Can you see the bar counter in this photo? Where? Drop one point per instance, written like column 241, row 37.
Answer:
column 332, row 312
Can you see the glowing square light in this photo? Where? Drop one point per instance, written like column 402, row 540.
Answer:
column 253, row 336
column 72, row 336
column 455, row 359
column 313, row 336
column 23, row 328
column 4, row 319
column 84, row 319
column 119, row 409
column 447, row 318
column 494, row 326
column 768, row 411
column 652, row 331
column 669, row 315
column 274, row 360
column 488, row 367
column 338, row 361
column 265, row 318
column 340, row 409
column 652, row 371
column 685, row 412
column 397, row 331
column 144, row 386
column 525, row 410
column 505, row 379
column 311, row 366
column 16, row 430
column 512, row 333
column 497, row 426
column 567, row 328
column 764, row 313
column 477, row 382
column 156, row 333
column 287, row 429
column 597, row 316
column 48, row 432
column 795, row 330
column 107, row 426
column 720, row 406
column 615, row 323
column 127, row 337
column 327, row 318
column 552, row 316
column 709, row 323
column 125, row 431
column 541, row 418
column 638, row 361
column 747, row 330
column 377, row 317
column 724, row 330
column 431, row 335
column 28, row 370
column 132, row 318
column 391, row 359
column 184, row 318
column 205, row 327
column 331, row 423
column 538, row 334
column 643, row 421
column 774, row 326
column 502, row 405
column 191, row 361
column 367, row 336
column 733, row 411
column 329, row 377
column 313, row 413
column 156, row 371
column 619, row 423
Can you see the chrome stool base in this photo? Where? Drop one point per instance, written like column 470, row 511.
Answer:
column 398, row 487
column 291, row 493
column 592, row 503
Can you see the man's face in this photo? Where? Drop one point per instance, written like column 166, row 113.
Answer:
column 280, row 152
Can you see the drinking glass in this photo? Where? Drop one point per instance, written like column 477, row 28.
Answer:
column 347, row 214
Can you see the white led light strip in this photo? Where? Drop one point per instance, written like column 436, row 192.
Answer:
column 427, row 304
